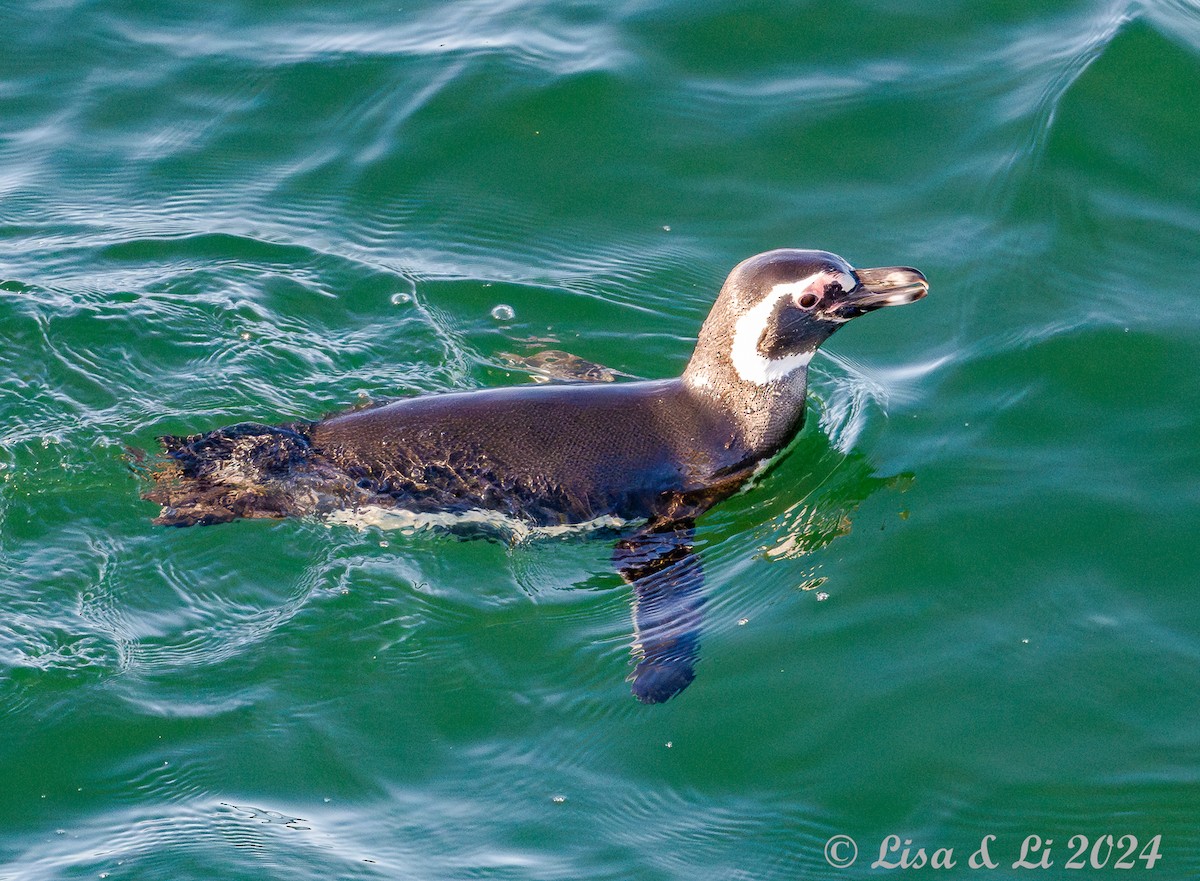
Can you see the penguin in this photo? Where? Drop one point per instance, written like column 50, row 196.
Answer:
column 650, row 456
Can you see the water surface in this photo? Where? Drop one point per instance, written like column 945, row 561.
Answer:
column 964, row 604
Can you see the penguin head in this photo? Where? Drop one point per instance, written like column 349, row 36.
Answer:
column 776, row 309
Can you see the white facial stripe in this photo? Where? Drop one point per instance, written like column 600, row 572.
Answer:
column 818, row 282
column 795, row 289
column 749, row 363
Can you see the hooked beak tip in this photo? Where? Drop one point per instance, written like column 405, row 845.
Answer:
column 887, row 286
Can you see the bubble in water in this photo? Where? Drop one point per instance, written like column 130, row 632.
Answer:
column 401, row 298
column 503, row 312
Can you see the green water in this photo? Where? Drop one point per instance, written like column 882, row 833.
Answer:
column 965, row 605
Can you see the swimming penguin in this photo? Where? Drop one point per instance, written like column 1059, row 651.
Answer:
column 658, row 452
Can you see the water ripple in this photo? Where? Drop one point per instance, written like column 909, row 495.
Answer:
column 977, row 551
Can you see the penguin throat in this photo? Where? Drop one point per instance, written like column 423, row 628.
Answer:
column 751, row 365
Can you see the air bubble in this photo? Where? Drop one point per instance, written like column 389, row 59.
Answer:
column 503, row 312
column 401, row 299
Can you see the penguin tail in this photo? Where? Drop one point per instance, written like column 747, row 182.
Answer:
column 242, row 471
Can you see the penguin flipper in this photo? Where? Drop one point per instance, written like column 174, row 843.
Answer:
column 668, row 598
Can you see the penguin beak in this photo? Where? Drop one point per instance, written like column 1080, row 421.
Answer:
column 885, row 286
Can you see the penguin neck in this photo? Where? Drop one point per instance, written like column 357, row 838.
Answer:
column 765, row 416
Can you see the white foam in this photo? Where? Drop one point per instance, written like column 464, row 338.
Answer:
column 408, row 522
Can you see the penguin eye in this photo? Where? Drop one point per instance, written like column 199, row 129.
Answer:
column 808, row 301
